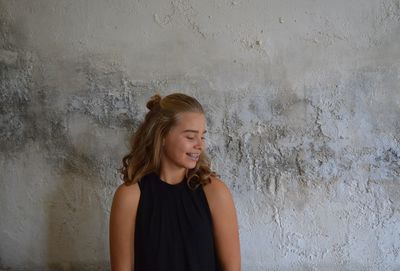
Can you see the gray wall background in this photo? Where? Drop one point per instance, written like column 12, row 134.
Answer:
column 303, row 109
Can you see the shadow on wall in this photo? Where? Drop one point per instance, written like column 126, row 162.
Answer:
column 75, row 220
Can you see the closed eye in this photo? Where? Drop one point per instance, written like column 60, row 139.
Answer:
column 191, row 138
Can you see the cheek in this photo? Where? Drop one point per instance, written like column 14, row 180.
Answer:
column 177, row 149
column 184, row 147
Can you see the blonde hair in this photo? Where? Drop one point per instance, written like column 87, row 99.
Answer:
column 146, row 143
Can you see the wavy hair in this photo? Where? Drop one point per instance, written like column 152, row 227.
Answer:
column 146, row 142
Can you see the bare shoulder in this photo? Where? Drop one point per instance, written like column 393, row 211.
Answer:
column 225, row 226
column 126, row 196
column 122, row 226
column 127, row 191
column 217, row 193
column 216, row 186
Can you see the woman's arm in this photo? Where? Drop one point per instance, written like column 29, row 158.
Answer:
column 225, row 224
column 122, row 227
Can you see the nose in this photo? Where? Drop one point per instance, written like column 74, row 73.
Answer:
column 199, row 144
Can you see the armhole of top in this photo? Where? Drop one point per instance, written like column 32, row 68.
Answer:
column 205, row 201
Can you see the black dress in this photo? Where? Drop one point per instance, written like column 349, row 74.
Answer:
column 173, row 229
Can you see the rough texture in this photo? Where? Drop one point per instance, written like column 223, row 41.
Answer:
column 303, row 109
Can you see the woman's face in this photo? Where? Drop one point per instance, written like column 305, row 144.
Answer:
column 185, row 141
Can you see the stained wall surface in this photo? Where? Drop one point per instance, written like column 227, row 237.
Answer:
column 303, row 112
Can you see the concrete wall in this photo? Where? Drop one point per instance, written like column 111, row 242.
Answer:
column 303, row 109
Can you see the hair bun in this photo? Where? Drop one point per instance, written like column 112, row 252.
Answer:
column 154, row 101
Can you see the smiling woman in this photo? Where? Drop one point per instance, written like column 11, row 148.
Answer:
column 172, row 212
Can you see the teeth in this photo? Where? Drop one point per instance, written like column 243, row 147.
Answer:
column 193, row 155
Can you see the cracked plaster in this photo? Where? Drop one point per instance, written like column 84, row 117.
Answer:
column 303, row 109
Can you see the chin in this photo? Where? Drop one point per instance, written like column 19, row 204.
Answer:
column 190, row 165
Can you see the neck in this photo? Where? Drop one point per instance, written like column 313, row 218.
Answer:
column 172, row 176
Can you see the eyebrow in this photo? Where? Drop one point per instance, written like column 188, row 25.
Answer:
column 193, row 131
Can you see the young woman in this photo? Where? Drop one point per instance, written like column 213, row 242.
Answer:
column 172, row 213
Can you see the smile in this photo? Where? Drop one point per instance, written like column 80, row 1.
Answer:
column 193, row 156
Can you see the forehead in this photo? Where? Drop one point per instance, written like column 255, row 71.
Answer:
column 191, row 121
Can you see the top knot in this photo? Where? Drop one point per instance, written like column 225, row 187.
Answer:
column 154, row 101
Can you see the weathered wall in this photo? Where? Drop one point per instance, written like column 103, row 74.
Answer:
column 303, row 104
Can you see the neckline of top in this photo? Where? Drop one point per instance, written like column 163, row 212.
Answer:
column 181, row 183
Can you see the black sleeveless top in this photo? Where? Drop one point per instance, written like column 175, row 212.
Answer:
column 173, row 229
